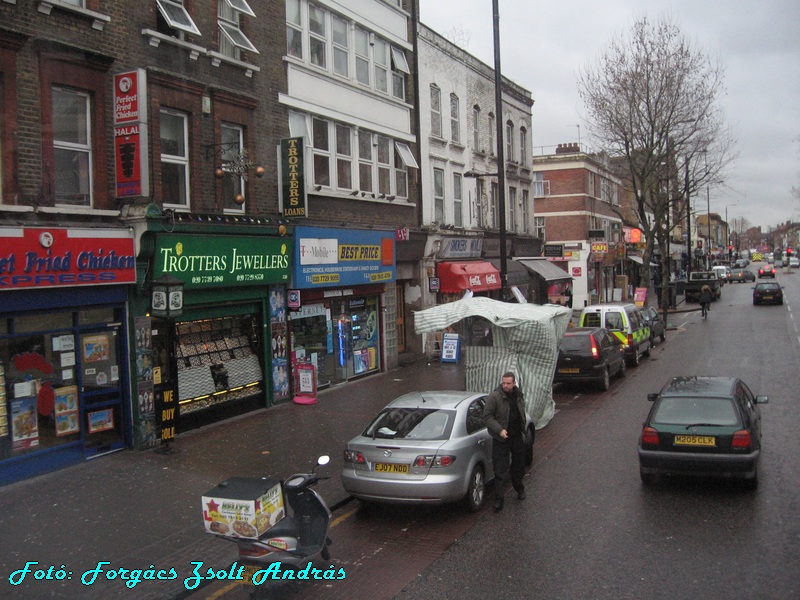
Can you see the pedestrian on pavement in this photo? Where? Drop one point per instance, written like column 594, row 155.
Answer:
column 504, row 415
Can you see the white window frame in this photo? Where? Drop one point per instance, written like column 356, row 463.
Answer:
column 436, row 111
column 492, row 131
column 232, row 39
column 455, row 119
column 344, row 155
column 340, row 47
column 509, row 141
column 523, row 146
column 493, row 205
column 366, row 161
column 171, row 9
column 526, row 198
column 321, row 154
column 541, row 186
column 78, row 148
column 476, row 128
column 361, row 46
column 320, row 38
column 294, row 29
column 539, row 228
column 380, row 55
column 438, row 195
column 399, row 72
column 458, row 197
column 180, row 160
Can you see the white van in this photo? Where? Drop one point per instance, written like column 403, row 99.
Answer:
column 723, row 272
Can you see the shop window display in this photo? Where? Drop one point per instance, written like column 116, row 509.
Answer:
column 58, row 386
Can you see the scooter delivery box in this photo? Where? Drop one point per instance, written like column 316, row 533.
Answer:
column 243, row 507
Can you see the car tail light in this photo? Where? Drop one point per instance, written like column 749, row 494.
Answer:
column 630, row 339
column 595, row 353
column 354, row 456
column 253, row 550
column 650, row 437
column 742, row 439
column 432, row 460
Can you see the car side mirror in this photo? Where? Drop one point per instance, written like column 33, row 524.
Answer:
column 762, row 399
column 652, row 397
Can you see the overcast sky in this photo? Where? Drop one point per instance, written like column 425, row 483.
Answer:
column 544, row 45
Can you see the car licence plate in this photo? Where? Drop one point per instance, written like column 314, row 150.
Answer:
column 390, row 468
column 766, row 297
column 695, row 440
column 247, row 574
column 569, row 370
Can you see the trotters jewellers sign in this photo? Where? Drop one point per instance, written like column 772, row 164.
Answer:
column 223, row 261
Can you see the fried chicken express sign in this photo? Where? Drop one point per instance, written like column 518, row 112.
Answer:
column 202, row 261
column 52, row 257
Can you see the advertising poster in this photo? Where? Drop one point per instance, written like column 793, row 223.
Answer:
column 101, row 420
column 3, row 408
column 95, row 348
column 24, row 423
column 66, row 410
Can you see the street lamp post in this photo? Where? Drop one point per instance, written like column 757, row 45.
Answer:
column 501, row 175
column 708, row 216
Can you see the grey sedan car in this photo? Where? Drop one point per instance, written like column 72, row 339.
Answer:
column 424, row 448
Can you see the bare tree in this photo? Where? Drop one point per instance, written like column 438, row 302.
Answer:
column 652, row 101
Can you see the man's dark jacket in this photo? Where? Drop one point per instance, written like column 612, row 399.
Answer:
column 495, row 412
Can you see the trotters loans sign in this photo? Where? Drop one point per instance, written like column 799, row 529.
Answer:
column 293, row 197
column 130, row 134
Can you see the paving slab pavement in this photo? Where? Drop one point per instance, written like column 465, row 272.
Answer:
column 141, row 510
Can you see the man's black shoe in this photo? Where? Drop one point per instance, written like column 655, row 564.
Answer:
column 498, row 505
column 521, row 494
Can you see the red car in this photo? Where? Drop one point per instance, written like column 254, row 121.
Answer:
column 766, row 271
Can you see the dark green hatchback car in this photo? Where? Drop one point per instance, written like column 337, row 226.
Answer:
column 704, row 426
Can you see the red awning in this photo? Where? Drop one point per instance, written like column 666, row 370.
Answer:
column 475, row 275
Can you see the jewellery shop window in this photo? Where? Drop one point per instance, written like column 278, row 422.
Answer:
column 218, row 361
column 59, row 384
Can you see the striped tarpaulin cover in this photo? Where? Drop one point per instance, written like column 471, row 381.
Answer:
column 525, row 337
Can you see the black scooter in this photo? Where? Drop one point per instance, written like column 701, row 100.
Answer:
column 286, row 550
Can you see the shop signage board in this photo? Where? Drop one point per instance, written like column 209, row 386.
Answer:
column 43, row 257
column 130, row 134
column 223, row 261
column 599, row 247
column 292, row 183
column 461, row 248
column 451, row 347
column 335, row 257
column 554, row 250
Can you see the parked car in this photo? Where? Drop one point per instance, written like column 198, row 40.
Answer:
column 702, row 426
column 656, row 324
column 794, row 262
column 424, row 448
column 741, row 276
column 625, row 322
column 590, row 354
column 766, row 271
column 767, row 292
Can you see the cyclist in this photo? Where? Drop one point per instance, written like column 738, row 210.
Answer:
column 705, row 299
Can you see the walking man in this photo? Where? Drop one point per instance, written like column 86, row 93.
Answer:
column 504, row 415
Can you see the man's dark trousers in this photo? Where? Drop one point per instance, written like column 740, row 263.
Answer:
column 513, row 448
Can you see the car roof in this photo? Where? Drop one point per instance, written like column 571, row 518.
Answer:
column 700, row 386
column 582, row 330
column 435, row 399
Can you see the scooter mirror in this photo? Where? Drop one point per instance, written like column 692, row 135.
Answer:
column 323, row 460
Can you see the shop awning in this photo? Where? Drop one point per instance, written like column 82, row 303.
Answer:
column 476, row 275
column 517, row 274
column 636, row 259
column 545, row 269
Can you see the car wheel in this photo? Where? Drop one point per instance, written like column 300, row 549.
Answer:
column 633, row 361
column 529, row 446
column 476, row 491
column 646, row 353
column 605, row 380
column 663, row 336
column 623, row 368
column 647, row 478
